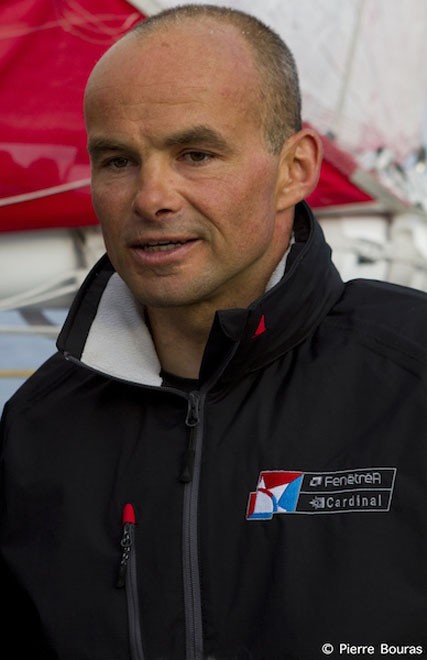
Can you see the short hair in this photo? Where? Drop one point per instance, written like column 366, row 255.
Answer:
column 279, row 83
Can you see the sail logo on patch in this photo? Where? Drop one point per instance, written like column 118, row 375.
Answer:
column 344, row 491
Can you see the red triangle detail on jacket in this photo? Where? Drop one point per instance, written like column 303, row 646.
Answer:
column 261, row 327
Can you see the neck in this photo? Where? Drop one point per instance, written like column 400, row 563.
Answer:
column 180, row 334
column 180, row 338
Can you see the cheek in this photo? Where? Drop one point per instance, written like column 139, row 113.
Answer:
column 98, row 201
column 108, row 209
column 254, row 208
column 106, row 215
column 256, row 182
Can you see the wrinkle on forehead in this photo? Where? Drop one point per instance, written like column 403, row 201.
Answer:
column 159, row 94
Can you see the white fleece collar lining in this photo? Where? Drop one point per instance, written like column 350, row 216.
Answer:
column 119, row 342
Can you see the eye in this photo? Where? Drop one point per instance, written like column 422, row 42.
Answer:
column 197, row 157
column 117, row 163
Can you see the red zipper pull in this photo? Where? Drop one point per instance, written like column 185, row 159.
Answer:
column 128, row 515
column 128, row 520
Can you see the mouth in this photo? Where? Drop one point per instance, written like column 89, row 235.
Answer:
column 164, row 245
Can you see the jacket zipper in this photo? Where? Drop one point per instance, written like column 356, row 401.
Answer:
column 191, row 421
column 190, row 476
column 127, row 578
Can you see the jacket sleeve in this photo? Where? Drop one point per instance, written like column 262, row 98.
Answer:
column 19, row 621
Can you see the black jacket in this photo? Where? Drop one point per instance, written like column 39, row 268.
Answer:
column 278, row 508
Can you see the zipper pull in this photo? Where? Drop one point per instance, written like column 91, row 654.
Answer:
column 128, row 519
column 192, row 418
column 191, row 421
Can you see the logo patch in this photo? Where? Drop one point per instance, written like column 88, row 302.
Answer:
column 345, row 491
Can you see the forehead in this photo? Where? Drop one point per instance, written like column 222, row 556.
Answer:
column 194, row 63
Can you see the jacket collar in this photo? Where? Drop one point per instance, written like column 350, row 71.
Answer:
column 287, row 313
column 105, row 328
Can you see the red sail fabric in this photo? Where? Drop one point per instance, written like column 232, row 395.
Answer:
column 47, row 50
column 336, row 189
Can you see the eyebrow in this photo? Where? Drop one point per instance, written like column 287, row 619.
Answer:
column 194, row 136
column 198, row 136
column 100, row 145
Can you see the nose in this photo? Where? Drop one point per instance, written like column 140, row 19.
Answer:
column 156, row 195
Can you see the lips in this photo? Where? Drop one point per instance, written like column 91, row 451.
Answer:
column 164, row 245
column 162, row 250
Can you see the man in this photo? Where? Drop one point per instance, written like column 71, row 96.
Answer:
column 226, row 458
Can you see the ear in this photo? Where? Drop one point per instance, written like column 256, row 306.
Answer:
column 299, row 168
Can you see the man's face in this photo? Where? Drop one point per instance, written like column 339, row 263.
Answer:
column 183, row 184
